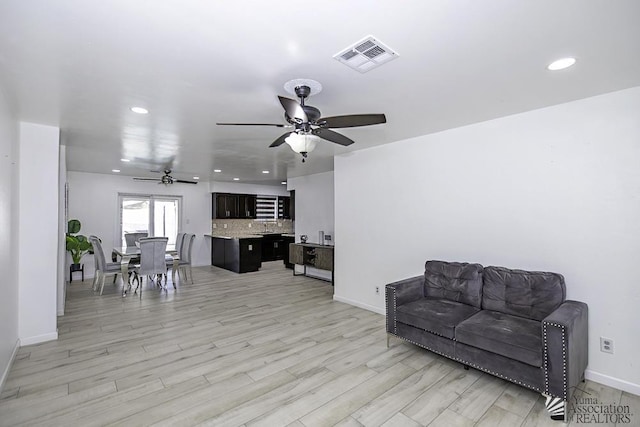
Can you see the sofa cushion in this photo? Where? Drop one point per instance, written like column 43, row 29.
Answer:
column 530, row 294
column 510, row 336
column 454, row 281
column 434, row 315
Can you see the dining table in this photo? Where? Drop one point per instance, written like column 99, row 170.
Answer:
column 127, row 253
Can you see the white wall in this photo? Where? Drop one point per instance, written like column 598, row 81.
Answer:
column 93, row 199
column 314, row 209
column 9, row 136
column 38, row 232
column 556, row 189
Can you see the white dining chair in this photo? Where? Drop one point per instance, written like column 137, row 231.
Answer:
column 152, row 261
column 103, row 268
column 185, row 256
column 171, row 259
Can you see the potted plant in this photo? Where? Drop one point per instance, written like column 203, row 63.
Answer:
column 77, row 244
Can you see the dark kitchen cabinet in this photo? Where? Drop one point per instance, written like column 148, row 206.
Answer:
column 272, row 247
column 217, row 252
column 238, row 255
column 247, row 206
column 233, row 206
column 286, row 241
column 224, row 206
column 284, row 208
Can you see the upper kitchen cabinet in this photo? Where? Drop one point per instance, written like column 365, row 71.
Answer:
column 247, row 206
column 224, row 206
column 286, row 207
column 233, row 206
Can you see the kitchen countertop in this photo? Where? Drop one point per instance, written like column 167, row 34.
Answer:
column 235, row 236
column 248, row 235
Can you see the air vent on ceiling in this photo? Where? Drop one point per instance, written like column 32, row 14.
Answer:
column 366, row 54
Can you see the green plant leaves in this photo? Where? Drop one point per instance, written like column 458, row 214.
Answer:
column 76, row 244
column 73, row 226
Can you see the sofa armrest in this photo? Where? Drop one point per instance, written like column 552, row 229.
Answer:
column 401, row 292
column 565, row 337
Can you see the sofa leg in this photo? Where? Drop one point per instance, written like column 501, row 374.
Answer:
column 466, row 367
column 388, row 337
column 557, row 408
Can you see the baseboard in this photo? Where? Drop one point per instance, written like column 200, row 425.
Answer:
column 359, row 304
column 612, row 382
column 38, row 339
column 5, row 374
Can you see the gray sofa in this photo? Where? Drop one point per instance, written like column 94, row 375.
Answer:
column 513, row 324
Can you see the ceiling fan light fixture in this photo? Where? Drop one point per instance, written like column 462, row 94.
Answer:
column 302, row 143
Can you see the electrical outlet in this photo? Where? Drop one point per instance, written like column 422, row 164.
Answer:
column 606, row 345
column 224, row 225
column 377, row 290
column 215, row 225
column 249, row 225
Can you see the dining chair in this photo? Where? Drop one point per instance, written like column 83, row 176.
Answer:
column 170, row 259
column 103, row 268
column 130, row 239
column 152, row 261
column 185, row 256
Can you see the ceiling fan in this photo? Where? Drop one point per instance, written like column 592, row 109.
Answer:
column 165, row 179
column 307, row 123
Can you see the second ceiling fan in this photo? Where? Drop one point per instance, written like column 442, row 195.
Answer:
column 307, row 122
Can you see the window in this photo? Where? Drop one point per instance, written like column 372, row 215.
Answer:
column 157, row 215
column 266, row 208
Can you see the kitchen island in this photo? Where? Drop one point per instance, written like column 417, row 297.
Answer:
column 240, row 253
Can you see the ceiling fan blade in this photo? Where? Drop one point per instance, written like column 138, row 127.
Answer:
column 145, row 179
column 278, row 142
column 184, row 182
column 293, row 109
column 352, row 120
column 332, row 136
column 251, row 124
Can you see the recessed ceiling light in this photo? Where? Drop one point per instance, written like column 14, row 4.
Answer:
column 284, row 183
column 236, row 179
column 196, row 177
column 217, row 170
column 561, row 64
column 115, row 170
column 265, row 171
column 125, row 160
column 139, row 110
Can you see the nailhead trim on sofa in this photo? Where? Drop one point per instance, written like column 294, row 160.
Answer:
column 546, row 358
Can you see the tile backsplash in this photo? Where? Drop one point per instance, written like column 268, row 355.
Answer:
column 231, row 227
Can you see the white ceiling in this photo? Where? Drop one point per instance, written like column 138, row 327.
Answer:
column 82, row 64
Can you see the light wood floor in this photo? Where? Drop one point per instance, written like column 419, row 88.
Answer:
column 262, row 348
